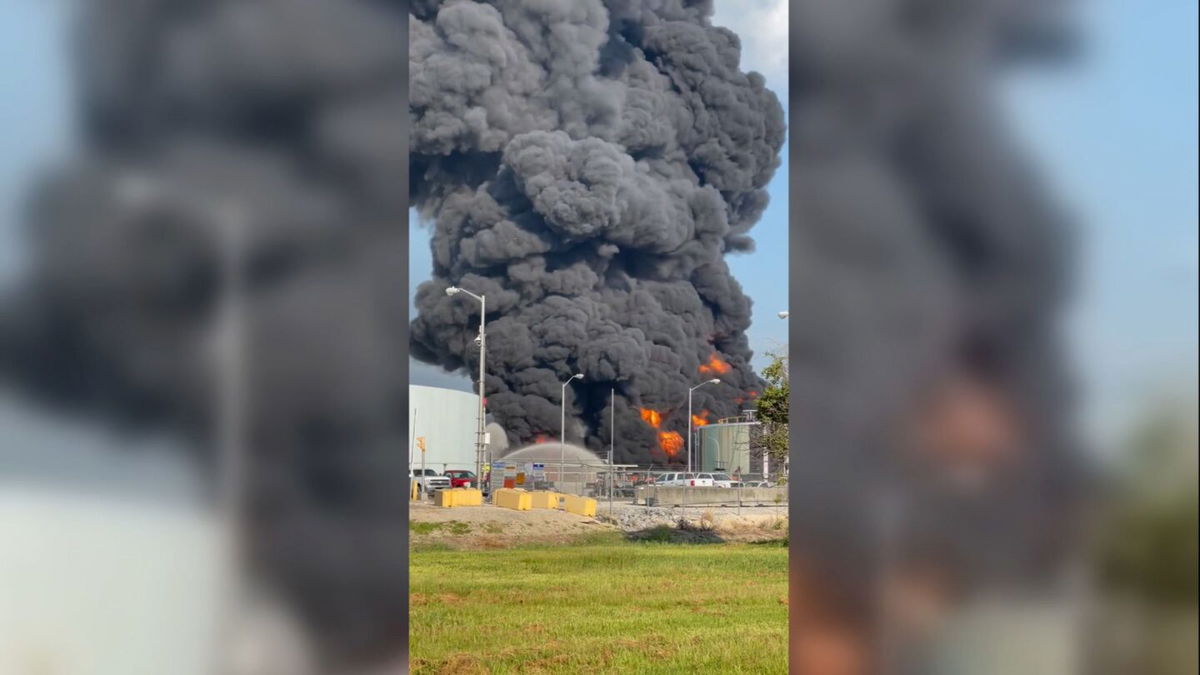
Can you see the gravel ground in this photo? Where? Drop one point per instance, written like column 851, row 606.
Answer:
column 723, row 519
column 490, row 526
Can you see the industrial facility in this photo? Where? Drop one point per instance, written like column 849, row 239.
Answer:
column 447, row 420
column 726, row 446
column 445, row 423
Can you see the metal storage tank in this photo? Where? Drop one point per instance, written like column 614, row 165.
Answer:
column 447, row 419
column 726, row 447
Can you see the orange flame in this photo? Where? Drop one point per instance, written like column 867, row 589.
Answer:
column 541, row 438
column 715, row 366
column 670, row 442
column 701, row 419
column 651, row 417
column 754, row 394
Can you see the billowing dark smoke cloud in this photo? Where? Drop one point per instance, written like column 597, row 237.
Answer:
column 289, row 118
column 587, row 165
column 932, row 421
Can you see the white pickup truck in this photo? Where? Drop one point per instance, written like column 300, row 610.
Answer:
column 721, row 479
column 684, row 479
column 429, row 480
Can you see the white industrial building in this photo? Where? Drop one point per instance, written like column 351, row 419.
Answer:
column 447, row 419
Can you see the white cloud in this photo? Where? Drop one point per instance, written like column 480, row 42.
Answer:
column 762, row 26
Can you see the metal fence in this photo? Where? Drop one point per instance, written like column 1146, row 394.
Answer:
column 578, row 478
column 607, row 484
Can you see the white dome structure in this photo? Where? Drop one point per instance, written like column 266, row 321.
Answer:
column 570, row 467
column 550, row 452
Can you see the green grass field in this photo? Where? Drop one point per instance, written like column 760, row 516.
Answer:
column 608, row 606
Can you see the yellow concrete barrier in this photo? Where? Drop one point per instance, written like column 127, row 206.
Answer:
column 458, row 497
column 544, row 500
column 468, row 497
column 584, row 506
column 511, row 498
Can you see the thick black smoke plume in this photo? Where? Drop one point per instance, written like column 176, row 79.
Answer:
column 287, row 117
column 932, row 422
column 587, row 165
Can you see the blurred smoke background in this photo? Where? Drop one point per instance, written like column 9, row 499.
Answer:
column 1078, row 347
column 993, row 337
column 204, row 383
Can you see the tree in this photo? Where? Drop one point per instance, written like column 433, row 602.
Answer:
column 772, row 410
column 1147, row 544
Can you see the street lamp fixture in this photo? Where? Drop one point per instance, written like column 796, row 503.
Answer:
column 784, row 314
column 689, row 443
column 481, row 340
column 562, row 425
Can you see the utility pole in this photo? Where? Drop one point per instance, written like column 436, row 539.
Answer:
column 612, row 439
column 421, row 445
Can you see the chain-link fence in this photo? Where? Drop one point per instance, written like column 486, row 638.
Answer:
column 587, row 479
column 618, row 484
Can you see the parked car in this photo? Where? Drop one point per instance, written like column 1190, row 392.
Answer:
column 723, row 480
column 756, row 484
column 461, row 478
column 683, row 479
column 428, row 480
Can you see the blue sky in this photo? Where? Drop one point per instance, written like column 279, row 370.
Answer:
column 1114, row 135
column 1115, row 138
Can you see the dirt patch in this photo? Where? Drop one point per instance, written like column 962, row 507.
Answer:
column 462, row 664
column 492, row 527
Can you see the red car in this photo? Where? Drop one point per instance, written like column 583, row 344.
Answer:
column 461, row 478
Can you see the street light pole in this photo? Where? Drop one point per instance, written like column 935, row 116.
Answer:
column 232, row 391
column 479, row 432
column 482, row 375
column 562, row 425
column 689, row 439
